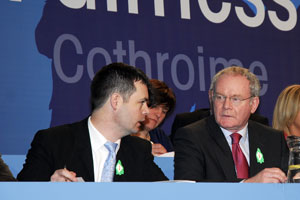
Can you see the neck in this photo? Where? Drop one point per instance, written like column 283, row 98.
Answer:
column 143, row 134
column 105, row 126
column 293, row 130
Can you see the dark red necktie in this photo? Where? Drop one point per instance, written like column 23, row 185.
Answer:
column 239, row 158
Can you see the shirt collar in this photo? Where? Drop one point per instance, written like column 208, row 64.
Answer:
column 97, row 139
column 243, row 132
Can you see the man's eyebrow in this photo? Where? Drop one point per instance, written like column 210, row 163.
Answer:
column 144, row 99
column 235, row 95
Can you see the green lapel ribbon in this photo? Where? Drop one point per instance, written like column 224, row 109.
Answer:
column 119, row 168
column 259, row 156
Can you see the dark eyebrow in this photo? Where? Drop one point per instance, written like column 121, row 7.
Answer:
column 144, row 99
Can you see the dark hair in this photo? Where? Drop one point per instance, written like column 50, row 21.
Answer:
column 162, row 95
column 116, row 77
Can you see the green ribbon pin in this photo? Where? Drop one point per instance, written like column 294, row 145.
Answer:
column 119, row 168
column 259, row 156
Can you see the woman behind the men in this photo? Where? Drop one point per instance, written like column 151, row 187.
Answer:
column 162, row 105
column 286, row 116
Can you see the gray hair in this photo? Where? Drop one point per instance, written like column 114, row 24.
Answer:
column 236, row 70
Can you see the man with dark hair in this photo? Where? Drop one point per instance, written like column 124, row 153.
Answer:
column 227, row 146
column 99, row 148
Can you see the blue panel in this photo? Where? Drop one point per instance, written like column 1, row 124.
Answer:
column 148, row 191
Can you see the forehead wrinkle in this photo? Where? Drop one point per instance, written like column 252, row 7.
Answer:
column 235, row 85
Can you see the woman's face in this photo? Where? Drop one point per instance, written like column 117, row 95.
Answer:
column 156, row 115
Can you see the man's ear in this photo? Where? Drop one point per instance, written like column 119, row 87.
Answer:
column 210, row 96
column 254, row 104
column 115, row 101
column 211, row 103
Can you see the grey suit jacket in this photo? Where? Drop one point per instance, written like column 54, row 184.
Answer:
column 69, row 146
column 203, row 154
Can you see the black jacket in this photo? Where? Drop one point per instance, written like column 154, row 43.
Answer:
column 69, row 145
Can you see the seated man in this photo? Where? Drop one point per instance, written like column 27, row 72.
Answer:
column 227, row 146
column 5, row 173
column 183, row 119
column 99, row 148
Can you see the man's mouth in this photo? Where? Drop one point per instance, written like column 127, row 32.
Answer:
column 227, row 116
column 142, row 120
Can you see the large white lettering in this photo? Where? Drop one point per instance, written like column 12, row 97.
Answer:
column 159, row 8
column 214, row 17
column 291, row 22
column 90, row 4
column 255, row 21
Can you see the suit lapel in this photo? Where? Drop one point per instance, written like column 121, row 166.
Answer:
column 82, row 157
column 223, row 152
column 121, row 156
column 255, row 142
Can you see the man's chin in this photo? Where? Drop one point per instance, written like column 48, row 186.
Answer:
column 137, row 128
column 227, row 125
column 231, row 128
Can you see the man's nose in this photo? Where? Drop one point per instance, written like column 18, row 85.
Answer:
column 145, row 110
column 227, row 103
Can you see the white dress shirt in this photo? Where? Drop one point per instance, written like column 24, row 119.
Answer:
column 244, row 141
column 99, row 151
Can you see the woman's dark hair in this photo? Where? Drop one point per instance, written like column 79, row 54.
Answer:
column 162, row 95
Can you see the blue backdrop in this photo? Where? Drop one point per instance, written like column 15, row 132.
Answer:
column 51, row 49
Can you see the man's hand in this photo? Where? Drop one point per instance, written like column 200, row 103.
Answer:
column 63, row 175
column 268, row 175
column 158, row 149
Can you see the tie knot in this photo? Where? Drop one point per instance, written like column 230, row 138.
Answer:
column 111, row 146
column 235, row 138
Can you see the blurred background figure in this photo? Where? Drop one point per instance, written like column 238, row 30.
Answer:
column 5, row 173
column 286, row 115
column 163, row 104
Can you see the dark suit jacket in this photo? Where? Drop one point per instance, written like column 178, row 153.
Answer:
column 203, row 154
column 69, row 146
column 184, row 119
